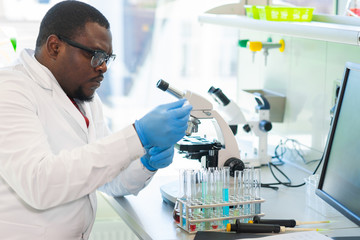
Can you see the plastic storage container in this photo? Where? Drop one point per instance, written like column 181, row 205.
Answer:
column 279, row 13
column 251, row 11
column 314, row 201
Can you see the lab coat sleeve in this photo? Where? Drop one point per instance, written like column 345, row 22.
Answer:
column 41, row 178
column 130, row 181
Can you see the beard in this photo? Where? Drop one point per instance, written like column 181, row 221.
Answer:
column 80, row 95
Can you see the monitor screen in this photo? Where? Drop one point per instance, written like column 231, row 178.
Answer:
column 339, row 183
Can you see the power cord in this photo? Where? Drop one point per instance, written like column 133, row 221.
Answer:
column 279, row 156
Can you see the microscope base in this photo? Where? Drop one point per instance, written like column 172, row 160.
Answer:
column 257, row 162
column 169, row 192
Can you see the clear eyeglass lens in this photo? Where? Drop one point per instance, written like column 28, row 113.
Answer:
column 99, row 58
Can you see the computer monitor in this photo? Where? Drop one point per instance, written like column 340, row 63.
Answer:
column 339, row 183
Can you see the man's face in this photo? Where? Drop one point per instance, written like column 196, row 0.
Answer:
column 74, row 71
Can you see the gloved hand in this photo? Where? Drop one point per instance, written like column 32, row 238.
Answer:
column 158, row 157
column 165, row 125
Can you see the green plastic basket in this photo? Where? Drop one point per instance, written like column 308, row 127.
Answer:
column 251, row 11
column 278, row 13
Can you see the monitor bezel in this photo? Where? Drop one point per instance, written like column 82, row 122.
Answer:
column 319, row 191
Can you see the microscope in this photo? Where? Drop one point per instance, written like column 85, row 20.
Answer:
column 223, row 151
column 259, row 124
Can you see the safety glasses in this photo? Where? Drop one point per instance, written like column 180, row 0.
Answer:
column 98, row 56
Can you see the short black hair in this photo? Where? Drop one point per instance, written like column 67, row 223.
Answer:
column 68, row 18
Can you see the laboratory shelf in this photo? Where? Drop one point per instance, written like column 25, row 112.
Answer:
column 339, row 29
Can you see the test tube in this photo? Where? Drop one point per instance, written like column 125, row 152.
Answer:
column 188, row 186
column 196, row 183
column 190, row 193
column 211, row 185
column 218, row 197
column 257, row 188
column 181, row 195
column 238, row 189
column 197, row 187
column 252, row 189
column 219, row 185
column 212, row 195
column 205, row 197
column 226, row 183
column 204, row 186
column 187, row 193
column 247, row 190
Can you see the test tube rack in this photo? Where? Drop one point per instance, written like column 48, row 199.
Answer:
column 187, row 222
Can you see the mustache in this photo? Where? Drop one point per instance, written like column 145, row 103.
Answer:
column 98, row 78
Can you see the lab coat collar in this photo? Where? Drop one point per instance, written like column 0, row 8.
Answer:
column 45, row 79
column 38, row 72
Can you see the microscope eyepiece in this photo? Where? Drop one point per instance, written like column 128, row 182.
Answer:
column 163, row 85
column 219, row 95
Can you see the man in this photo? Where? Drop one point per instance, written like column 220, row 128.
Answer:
column 55, row 149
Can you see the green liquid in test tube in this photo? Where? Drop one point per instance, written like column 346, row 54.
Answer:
column 205, row 197
column 226, row 184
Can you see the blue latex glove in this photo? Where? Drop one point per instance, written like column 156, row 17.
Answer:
column 158, row 157
column 165, row 125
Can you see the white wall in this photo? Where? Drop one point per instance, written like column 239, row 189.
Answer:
column 306, row 73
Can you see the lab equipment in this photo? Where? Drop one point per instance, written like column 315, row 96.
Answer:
column 263, row 228
column 257, row 188
column 154, row 128
column 259, row 123
column 339, row 182
column 231, row 111
column 284, row 222
column 253, row 228
column 218, row 153
column 217, row 205
column 225, row 191
column 257, row 46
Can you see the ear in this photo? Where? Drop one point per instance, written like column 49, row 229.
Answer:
column 53, row 46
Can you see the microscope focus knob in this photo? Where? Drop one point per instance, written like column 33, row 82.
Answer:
column 247, row 128
column 265, row 125
column 234, row 164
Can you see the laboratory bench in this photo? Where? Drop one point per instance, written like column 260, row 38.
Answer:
column 149, row 217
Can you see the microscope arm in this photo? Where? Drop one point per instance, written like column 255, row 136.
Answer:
column 231, row 147
column 203, row 109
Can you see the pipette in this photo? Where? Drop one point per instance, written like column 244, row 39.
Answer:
column 263, row 228
column 283, row 222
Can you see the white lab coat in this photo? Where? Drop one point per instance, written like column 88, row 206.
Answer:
column 51, row 164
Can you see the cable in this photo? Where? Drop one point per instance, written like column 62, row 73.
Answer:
column 287, row 184
column 279, row 157
column 295, row 147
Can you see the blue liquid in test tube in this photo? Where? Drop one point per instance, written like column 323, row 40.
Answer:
column 226, row 183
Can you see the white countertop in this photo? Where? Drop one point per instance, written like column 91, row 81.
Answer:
column 151, row 218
